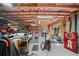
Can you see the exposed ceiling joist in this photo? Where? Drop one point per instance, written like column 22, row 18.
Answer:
column 37, row 13
column 66, row 5
column 63, row 11
column 27, row 12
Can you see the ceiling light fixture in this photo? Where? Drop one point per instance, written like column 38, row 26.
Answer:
column 38, row 22
column 33, row 24
column 47, row 17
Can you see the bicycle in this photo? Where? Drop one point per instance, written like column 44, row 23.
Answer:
column 46, row 45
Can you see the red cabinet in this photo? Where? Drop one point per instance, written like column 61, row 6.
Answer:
column 70, row 41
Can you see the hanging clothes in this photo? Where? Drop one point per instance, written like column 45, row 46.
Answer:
column 1, row 37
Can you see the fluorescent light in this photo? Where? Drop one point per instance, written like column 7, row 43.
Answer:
column 33, row 24
column 38, row 22
column 44, row 19
column 9, row 24
column 29, row 20
column 47, row 17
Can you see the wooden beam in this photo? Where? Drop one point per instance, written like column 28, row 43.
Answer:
column 46, row 14
column 34, row 11
column 38, row 13
column 62, row 5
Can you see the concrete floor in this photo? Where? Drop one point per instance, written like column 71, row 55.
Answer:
column 55, row 49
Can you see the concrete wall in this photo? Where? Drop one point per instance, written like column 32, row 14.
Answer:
column 78, row 26
column 73, row 27
column 78, row 22
column 73, row 24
